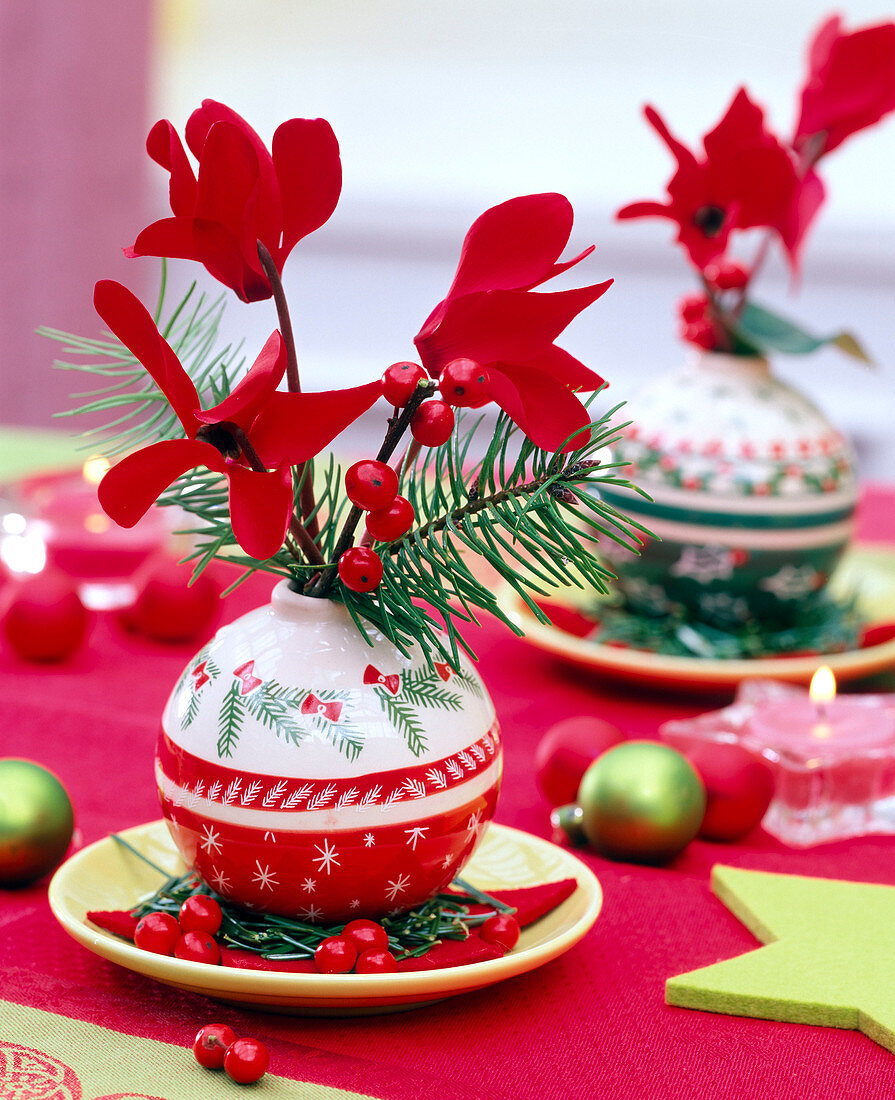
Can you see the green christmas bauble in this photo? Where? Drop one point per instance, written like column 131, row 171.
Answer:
column 36, row 822
column 642, row 802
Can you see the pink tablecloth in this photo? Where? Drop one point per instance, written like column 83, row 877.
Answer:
column 591, row 1024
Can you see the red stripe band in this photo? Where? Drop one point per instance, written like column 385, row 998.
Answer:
column 231, row 787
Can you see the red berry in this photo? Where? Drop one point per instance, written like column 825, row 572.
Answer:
column 365, row 935
column 702, row 334
column 157, row 932
column 376, row 962
column 692, row 307
column 45, row 619
column 399, row 382
column 432, row 423
column 465, row 383
column 200, row 913
column 198, row 947
column 502, row 930
column 246, row 1061
column 391, row 522
column 371, row 484
column 211, row 1044
column 727, row 274
column 335, row 955
column 360, row 569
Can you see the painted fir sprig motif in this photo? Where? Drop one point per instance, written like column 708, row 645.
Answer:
column 242, row 453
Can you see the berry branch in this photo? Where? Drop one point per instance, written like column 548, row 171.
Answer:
column 397, row 426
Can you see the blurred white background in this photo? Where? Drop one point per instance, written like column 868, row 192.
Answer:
column 445, row 108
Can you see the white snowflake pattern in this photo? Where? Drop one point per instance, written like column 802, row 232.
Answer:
column 210, row 842
column 415, row 835
column 309, row 885
column 312, row 913
column 724, row 604
column 272, row 837
column 705, row 563
column 791, row 582
column 447, row 861
column 369, row 840
column 265, row 878
column 328, row 856
column 220, row 880
column 398, row 886
column 474, row 825
column 354, row 903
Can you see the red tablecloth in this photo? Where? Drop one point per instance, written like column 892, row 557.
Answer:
column 591, row 1024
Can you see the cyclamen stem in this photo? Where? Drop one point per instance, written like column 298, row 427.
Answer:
column 296, row 528
column 323, row 582
column 293, row 380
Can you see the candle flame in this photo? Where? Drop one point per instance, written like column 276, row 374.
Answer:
column 95, row 469
column 823, row 686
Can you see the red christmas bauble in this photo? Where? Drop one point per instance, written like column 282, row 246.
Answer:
column 738, row 787
column 565, row 753
column 167, row 607
column 45, row 619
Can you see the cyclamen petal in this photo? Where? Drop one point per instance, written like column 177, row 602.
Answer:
column 131, row 322
column 850, row 84
column 260, row 508
column 134, row 484
column 243, row 194
column 492, row 315
column 254, row 390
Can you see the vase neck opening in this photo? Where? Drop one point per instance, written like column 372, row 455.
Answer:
column 293, row 605
column 718, row 362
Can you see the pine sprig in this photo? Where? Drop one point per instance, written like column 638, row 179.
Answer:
column 139, row 412
column 230, row 721
column 404, row 718
column 418, row 687
column 276, row 707
column 532, row 515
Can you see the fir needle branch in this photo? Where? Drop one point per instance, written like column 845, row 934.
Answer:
column 124, row 844
column 397, row 426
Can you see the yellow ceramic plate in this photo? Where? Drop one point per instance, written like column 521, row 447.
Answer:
column 867, row 571
column 106, row 876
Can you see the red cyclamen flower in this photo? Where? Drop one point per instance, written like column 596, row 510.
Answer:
column 243, row 194
column 252, row 437
column 850, row 84
column 746, row 179
column 490, row 315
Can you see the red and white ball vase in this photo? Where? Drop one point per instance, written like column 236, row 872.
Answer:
column 305, row 772
column 739, row 787
column 566, row 751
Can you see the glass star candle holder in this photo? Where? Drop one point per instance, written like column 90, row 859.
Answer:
column 833, row 758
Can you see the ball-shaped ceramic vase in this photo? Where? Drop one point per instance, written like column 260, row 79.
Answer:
column 753, row 493
column 305, row 772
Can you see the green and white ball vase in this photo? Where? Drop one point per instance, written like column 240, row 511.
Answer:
column 753, row 494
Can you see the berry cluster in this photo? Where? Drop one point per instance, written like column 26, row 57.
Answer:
column 245, row 1061
column 362, row 947
column 698, row 325
column 372, row 485
column 189, row 936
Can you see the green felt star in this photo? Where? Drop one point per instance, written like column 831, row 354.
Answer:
column 829, row 959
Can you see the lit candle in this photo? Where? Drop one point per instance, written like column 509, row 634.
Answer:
column 57, row 521
column 820, row 723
